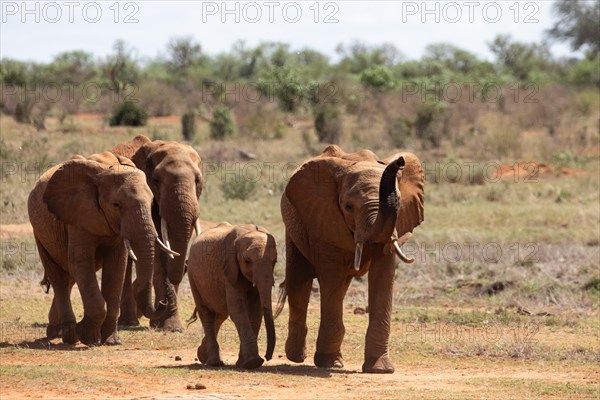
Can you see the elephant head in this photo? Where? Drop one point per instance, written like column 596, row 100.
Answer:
column 355, row 199
column 174, row 174
column 252, row 260
column 110, row 200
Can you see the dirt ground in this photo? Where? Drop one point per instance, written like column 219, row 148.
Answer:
column 443, row 379
column 562, row 363
column 157, row 365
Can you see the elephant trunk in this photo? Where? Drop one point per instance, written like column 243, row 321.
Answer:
column 389, row 204
column 144, row 265
column 179, row 216
column 264, row 291
column 178, row 239
column 383, row 225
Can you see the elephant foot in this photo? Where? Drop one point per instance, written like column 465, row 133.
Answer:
column 53, row 331
column 294, row 354
column 214, row 362
column 380, row 365
column 129, row 320
column 170, row 324
column 68, row 331
column 202, row 353
column 324, row 360
column 113, row 340
column 250, row 362
column 88, row 333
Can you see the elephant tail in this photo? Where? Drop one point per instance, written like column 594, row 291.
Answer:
column 193, row 318
column 281, row 300
column 45, row 282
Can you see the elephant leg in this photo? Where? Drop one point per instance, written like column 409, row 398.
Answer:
column 255, row 312
column 381, row 282
column 209, row 352
column 53, row 329
column 113, row 274
column 170, row 321
column 128, row 315
column 237, row 304
column 61, row 319
column 83, row 262
column 331, row 328
column 299, row 275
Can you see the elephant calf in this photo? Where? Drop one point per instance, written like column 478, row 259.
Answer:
column 230, row 269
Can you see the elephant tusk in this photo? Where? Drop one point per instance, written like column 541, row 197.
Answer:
column 197, row 227
column 400, row 254
column 358, row 255
column 166, row 249
column 164, row 232
column 129, row 250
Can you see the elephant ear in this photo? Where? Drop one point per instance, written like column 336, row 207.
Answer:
column 411, row 183
column 130, row 148
column 230, row 265
column 313, row 191
column 72, row 196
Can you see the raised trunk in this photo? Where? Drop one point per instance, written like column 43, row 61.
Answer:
column 389, row 203
column 264, row 291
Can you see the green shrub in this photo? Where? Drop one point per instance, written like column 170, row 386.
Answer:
column 427, row 114
column 586, row 72
column 188, row 125
column 568, row 159
column 328, row 123
column 238, row 188
column 266, row 125
column 23, row 111
column 128, row 114
column 221, row 124
column 289, row 85
column 378, row 78
column 399, row 130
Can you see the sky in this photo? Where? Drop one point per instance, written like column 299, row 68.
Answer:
column 39, row 30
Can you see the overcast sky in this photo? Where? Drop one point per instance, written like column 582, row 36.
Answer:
column 41, row 30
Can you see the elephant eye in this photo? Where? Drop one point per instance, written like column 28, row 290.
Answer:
column 116, row 205
column 197, row 179
column 247, row 261
column 349, row 207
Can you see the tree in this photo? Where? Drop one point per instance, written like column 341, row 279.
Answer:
column 578, row 24
column 120, row 68
column 520, row 59
column 358, row 56
column 451, row 57
column 184, row 53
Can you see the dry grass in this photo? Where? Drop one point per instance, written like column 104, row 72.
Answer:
column 546, row 230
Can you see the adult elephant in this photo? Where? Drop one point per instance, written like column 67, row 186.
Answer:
column 174, row 174
column 346, row 214
column 89, row 214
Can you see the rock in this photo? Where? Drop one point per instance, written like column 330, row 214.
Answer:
column 360, row 311
column 246, row 155
column 177, row 358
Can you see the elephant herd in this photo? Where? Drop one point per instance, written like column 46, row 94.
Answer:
column 345, row 214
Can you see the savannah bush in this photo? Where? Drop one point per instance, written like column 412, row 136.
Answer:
column 238, row 188
column 188, row 125
column 128, row 114
column 221, row 125
column 328, row 123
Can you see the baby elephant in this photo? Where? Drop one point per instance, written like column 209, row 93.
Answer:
column 231, row 273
